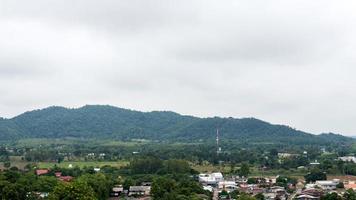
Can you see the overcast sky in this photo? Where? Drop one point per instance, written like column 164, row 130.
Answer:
column 284, row 61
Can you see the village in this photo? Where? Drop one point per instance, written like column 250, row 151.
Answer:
column 229, row 187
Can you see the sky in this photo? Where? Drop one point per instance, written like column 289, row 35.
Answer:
column 282, row 61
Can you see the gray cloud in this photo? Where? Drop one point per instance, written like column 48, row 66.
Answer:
column 289, row 62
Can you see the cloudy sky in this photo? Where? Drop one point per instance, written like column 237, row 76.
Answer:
column 284, row 61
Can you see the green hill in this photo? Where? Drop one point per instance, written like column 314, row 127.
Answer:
column 108, row 122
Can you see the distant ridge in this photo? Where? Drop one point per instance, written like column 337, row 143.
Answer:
column 109, row 122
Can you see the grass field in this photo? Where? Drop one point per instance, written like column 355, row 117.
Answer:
column 82, row 164
column 16, row 161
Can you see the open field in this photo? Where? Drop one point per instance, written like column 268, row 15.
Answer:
column 16, row 161
column 82, row 164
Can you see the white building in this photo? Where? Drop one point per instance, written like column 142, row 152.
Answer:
column 348, row 159
column 328, row 185
column 211, row 179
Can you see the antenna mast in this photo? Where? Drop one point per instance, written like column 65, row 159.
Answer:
column 218, row 149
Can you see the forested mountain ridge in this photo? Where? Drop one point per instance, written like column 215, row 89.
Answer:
column 108, row 122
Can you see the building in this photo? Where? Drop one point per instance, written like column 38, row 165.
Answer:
column 311, row 194
column 40, row 172
column 211, row 179
column 328, row 185
column 348, row 159
column 139, row 190
column 350, row 185
column 65, row 178
column 116, row 191
column 306, row 197
column 228, row 186
column 208, row 188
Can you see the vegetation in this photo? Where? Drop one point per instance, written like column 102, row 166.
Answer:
column 107, row 122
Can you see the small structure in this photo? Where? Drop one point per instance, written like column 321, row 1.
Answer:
column 116, row 191
column 306, row 197
column 139, row 190
column 40, row 172
column 315, row 163
column 228, row 186
column 208, row 188
column 96, row 169
column 348, row 159
column 65, row 178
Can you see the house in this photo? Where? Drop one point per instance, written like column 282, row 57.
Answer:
column 315, row 163
column 350, row 185
column 228, row 186
column 348, row 159
column 139, row 190
column 58, row 174
column 208, row 188
column 328, row 185
column 66, row 178
column 286, row 155
column 218, row 176
column 116, row 191
column 40, row 172
column 315, row 193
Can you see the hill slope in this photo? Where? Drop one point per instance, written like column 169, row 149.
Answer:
column 110, row 122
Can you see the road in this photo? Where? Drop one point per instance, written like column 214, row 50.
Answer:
column 215, row 194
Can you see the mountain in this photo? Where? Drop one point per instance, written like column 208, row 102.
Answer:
column 108, row 122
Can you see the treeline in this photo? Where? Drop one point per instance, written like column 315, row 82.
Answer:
column 108, row 122
column 171, row 179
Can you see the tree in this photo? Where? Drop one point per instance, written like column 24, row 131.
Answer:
column 315, row 175
column 260, row 196
column 246, row 197
column 244, row 170
column 72, row 191
column 350, row 194
column 340, row 185
column 45, row 184
column 7, row 164
column 13, row 191
column 99, row 183
column 161, row 187
column 331, row 196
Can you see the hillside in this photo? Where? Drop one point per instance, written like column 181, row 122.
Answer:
column 108, row 122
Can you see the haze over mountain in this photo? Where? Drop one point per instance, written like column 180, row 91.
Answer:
column 108, row 122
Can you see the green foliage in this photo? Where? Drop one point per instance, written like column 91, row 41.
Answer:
column 315, row 175
column 246, row 197
column 350, row 194
column 117, row 123
column 283, row 181
column 73, row 191
column 331, row 196
column 100, row 184
column 244, row 170
column 260, row 196
column 174, row 188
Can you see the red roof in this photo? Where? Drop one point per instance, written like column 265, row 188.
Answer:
column 350, row 186
column 58, row 174
column 66, row 178
column 41, row 171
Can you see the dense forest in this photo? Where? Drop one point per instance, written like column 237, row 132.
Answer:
column 108, row 122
